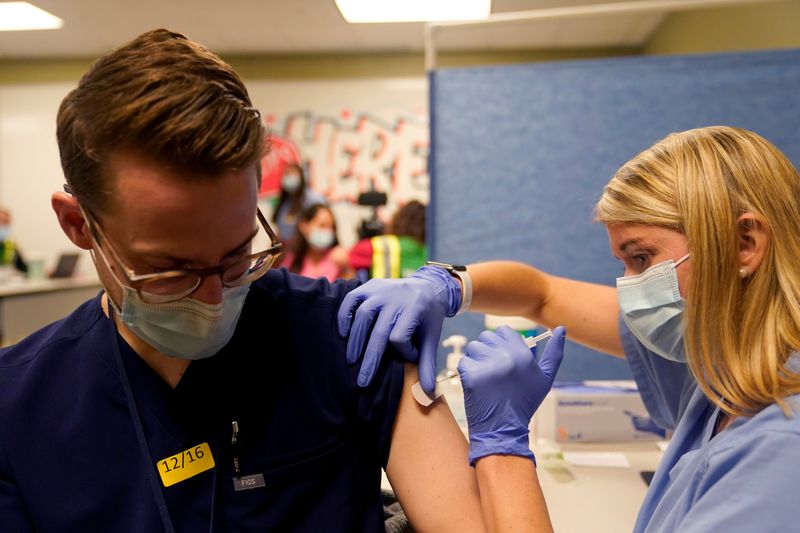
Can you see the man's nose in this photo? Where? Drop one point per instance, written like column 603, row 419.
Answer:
column 210, row 290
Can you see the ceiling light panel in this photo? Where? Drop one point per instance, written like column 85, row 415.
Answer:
column 372, row 11
column 18, row 16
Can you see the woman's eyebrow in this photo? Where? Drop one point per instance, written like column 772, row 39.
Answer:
column 629, row 243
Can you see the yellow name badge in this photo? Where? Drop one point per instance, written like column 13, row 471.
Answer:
column 186, row 464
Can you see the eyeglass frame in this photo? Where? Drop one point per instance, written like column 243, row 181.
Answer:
column 136, row 281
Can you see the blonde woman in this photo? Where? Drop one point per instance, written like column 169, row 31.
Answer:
column 707, row 225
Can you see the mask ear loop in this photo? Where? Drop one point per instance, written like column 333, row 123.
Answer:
column 682, row 259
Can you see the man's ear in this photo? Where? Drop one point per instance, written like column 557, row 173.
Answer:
column 71, row 219
column 753, row 241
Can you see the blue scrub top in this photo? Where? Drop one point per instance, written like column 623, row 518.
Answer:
column 745, row 479
column 69, row 456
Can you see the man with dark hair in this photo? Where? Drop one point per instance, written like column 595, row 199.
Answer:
column 201, row 390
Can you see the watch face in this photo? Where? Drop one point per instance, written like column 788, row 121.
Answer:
column 447, row 266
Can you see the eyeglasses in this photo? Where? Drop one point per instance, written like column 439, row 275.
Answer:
column 171, row 285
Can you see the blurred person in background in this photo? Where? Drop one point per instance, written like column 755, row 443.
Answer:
column 295, row 197
column 315, row 250
column 398, row 253
column 9, row 251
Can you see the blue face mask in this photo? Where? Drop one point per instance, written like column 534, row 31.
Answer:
column 652, row 308
column 5, row 232
column 186, row 328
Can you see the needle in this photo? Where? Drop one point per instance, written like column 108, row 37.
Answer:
column 530, row 342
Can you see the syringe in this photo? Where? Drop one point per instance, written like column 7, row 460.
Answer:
column 530, row 342
column 425, row 400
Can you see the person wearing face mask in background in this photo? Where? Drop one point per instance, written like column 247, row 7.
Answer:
column 315, row 250
column 295, row 198
column 396, row 254
column 707, row 225
column 201, row 390
column 9, row 251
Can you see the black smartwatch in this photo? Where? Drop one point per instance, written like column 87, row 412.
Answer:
column 447, row 266
column 460, row 272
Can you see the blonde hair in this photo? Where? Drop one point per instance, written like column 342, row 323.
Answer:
column 739, row 333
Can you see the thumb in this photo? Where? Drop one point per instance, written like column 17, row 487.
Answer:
column 344, row 317
column 553, row 353
column 430, row 332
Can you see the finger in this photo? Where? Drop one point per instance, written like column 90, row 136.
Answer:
column 362, row 323
column 467, row 369
column 489, row 337
column 509, row 334
column 478, row 351
column 430, row 331
column 553, row 353
column 347, row 309
column 376, row 346
column 403, row 332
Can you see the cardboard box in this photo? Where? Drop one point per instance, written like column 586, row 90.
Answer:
column 591, row 411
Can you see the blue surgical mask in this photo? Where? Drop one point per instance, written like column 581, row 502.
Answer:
column 321, row 239
column 652, row 308
column 290, row 182
column 5, row 232
column 186, row 328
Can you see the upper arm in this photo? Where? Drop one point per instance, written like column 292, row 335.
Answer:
column 428, row 466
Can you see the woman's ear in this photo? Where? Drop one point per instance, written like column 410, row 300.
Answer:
column 71, row 219
column 753, row 241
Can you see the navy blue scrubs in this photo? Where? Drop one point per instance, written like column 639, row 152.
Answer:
column 70, row 459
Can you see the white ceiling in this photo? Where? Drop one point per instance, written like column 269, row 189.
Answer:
column 92, row 27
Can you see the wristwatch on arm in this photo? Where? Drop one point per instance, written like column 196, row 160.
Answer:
column 459, row 272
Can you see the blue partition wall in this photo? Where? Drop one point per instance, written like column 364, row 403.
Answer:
column 519, row 154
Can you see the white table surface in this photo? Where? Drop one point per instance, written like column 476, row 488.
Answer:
column 595, row 498
column 19, row 286
column 27, row 305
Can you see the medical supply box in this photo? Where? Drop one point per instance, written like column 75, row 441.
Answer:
column 592, row 411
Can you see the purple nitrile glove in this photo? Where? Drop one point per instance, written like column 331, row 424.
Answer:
column 398, row 308
column 503, row 387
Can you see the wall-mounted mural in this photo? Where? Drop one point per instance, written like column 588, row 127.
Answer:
column 350, row 153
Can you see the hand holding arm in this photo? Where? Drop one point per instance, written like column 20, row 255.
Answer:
column 395, row 309
column 401, row 308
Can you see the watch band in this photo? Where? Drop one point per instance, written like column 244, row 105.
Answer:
column 460, row 272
